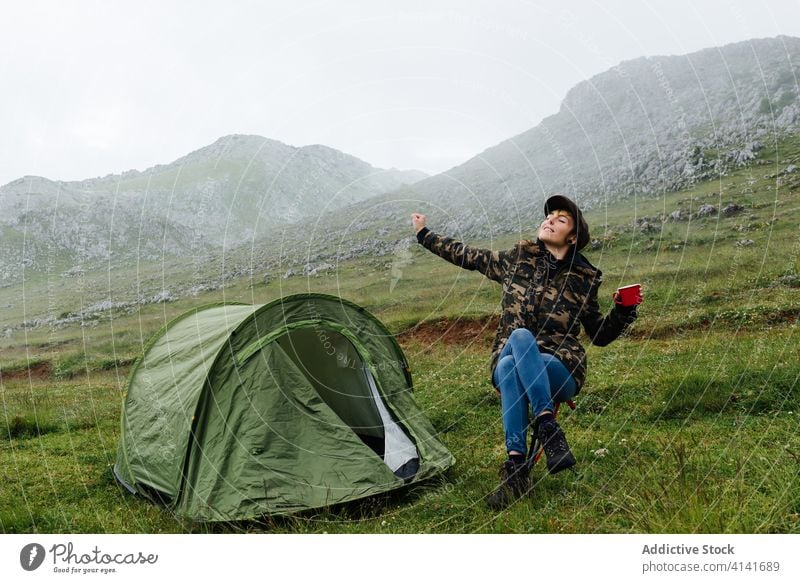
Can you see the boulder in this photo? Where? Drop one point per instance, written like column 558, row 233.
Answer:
column 732, row 209
column 706, row 210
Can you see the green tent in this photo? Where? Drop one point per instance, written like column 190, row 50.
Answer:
column 235, row 411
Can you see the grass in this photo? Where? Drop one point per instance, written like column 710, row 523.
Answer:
column 681, row 455
column 687, row 424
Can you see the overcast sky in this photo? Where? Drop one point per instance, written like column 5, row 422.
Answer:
column 92, row 88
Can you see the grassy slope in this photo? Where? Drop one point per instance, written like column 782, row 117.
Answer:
column 697, row 408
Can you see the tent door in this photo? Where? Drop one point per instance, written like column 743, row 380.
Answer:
column 342, row 377
column 399, row 450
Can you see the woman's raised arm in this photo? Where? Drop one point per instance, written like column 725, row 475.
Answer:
column 492, row 264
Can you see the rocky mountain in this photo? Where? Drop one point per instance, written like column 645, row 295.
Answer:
column 647, row 126
column 232, row 191
column 644, row 127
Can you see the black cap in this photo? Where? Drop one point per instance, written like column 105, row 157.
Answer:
column 559, row 201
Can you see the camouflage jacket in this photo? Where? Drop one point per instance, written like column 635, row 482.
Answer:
column 552, row 299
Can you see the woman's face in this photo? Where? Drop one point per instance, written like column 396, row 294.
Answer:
column 556, row 229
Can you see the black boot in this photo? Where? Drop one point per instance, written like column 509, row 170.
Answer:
column 514, row 484
column 550, row 435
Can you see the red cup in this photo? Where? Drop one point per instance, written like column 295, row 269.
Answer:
column 630, row 295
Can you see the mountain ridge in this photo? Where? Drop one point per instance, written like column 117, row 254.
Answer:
column 231, row 191
column 642, row 128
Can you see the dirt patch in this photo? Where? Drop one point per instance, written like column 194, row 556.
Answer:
column 447, row 331
column 39, row 371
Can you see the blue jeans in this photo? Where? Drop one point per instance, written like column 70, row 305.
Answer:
column 526, row 376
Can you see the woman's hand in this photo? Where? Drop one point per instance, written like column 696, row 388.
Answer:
column 418, row 221
column 634, row 297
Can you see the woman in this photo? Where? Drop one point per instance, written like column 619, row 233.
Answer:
column 549, row 292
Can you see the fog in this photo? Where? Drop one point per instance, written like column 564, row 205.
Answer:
column 92, row 88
